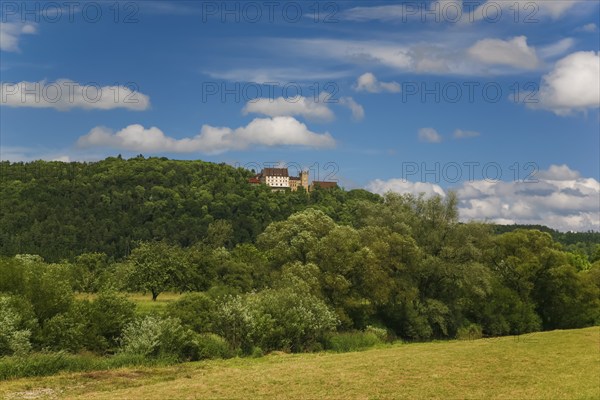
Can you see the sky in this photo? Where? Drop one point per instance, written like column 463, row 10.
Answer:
column 496, row 100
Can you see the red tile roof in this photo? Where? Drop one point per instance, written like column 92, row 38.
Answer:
column 324, row 185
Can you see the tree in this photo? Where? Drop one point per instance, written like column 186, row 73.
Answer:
column 156, row 267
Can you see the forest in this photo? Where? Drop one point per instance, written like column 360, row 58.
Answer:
column 261, row 271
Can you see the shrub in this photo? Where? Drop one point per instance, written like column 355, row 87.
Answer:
column 157, row 337
column 67, row 331
column 290, row 320
column 194, row 310
column 210, row 346
column 109, row 313
column 14, row 333
column 469, row 332
column 381, row 333
column 352, row 341
column 234, row 321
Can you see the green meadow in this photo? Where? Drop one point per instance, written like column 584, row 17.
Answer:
column 543, row 365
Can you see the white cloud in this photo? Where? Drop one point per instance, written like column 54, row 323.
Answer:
column 278, row 131
column 358, row 112
column 10, row 33
column 572, row 85
column 446, row 55
column 588, row 28
column 429, row 135
column 453, row 11
column 404, row 186
column 558, row 173
column 557, row 49
column 274, row 76
column 514, row 52
column 462, row 134
column 530, row 11
column 65, row 94
column 367, row 82
column 291, row 107
column 560, row 199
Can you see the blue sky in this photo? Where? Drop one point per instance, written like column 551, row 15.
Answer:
column 498, row 100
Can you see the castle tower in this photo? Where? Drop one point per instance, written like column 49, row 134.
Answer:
column 304, row 179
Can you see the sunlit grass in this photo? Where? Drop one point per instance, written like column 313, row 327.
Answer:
column 143, row 301
column 548, row 365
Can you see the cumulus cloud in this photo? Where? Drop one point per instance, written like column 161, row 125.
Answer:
column 10, row 33
column 358, row 112
column 559, row 173
column 368, row 82
column 514, row 52
column 566, row 204
column 278, row 131
column 557, row 197
column 291, row 107
column 404, row 186
column 429, row 135
column 572, row 85
column 65, row 94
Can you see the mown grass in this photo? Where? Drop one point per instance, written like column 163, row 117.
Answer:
column 547, row 365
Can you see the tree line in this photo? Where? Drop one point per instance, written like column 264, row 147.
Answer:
column 273, row 271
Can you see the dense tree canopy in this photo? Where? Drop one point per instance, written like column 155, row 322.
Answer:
column 277, row 270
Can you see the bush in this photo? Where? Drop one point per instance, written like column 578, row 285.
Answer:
column 194, row 310
column 469, row 332
column 290, row 320
column 14, row 333
column 109, row 314
column 210, row 346
column 158, row 338
column 234, row 321
column 381, row 333
column 352, row 341
column 67, row 331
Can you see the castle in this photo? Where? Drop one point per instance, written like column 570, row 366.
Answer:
column 279, row 179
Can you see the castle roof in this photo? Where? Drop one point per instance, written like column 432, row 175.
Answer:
column 275, row 172
column 324, row 185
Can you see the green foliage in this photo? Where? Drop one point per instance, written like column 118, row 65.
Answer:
column 469, row 332
column 157, row 337
column 234, row 321
column 288, row 319
column 211, row 346
column 276, row 270
column 194, row 310
column 352, row 341
column 109, row 313
column 15, row 328
column 95, row 326
column 156, row 267
column 43, row 364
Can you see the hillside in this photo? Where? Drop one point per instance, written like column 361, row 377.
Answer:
column 60, row 210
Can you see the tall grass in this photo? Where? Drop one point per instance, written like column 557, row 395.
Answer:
column 44, row 364
column 352, row 341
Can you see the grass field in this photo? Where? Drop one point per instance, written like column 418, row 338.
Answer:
column 548, row 365
column 144, row 301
